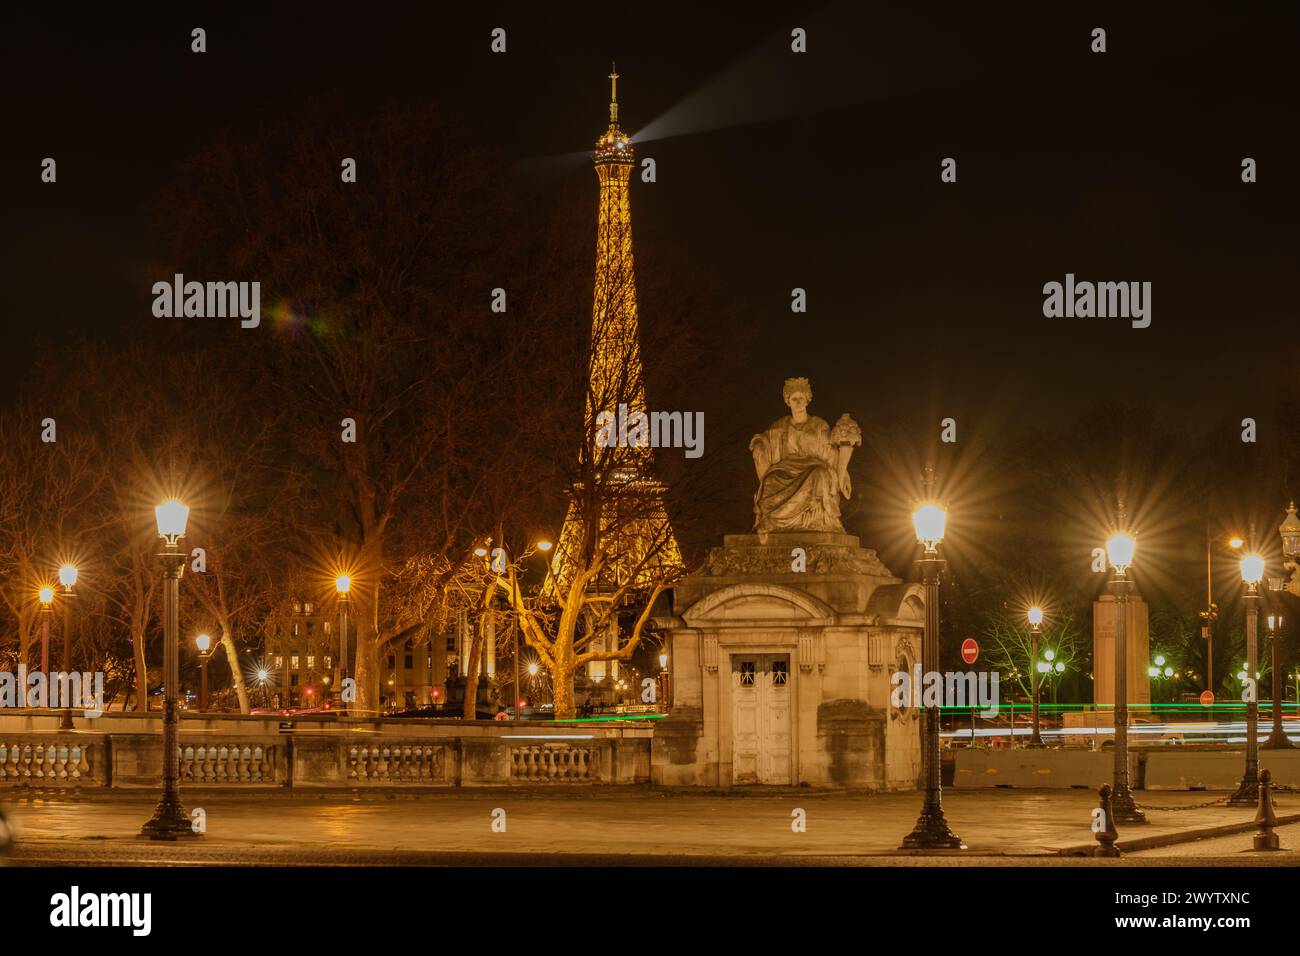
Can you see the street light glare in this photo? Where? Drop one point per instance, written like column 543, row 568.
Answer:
column 930, row 521
column 1252, row 569
column 172, row 516
column 1035, row 615
column 68, row 575
column 544, row 545
column 1120, row 548
column 343, row 583
column 46, row 595
column 204, row 642
column 1235, row 542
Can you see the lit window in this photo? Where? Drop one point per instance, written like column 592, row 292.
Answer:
column 307, row 608
column 279, row 662
column 311, row 662
column 329, row 662
column 293, row 662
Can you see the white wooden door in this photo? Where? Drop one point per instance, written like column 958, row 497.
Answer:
column 760, row 694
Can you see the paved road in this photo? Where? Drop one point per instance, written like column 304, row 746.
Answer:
column 587, row 826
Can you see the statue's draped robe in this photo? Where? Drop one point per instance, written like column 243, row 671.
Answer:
column 799, row 485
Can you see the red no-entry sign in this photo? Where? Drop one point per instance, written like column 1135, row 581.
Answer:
column 970, row 651
column 1207, row 698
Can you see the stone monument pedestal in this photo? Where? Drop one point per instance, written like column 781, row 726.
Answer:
column 1105, row 613
column 782, row 651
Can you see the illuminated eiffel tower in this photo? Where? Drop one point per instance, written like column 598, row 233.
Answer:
column 617, row 507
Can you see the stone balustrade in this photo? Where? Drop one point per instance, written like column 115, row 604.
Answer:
column 125, row 751
column 43, row 762
column 227, row 764
column 398, row 762
column 553, row 763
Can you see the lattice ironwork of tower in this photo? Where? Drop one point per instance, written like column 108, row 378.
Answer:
column 617, row 506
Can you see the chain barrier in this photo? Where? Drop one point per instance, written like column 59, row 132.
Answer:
column 1222, row 801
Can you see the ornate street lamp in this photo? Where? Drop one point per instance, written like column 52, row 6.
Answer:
column 1252, row 572
column 343, row 587
column 931, row 831
column 68, row 578
column 46, row 596
column 1120, row 548
column 204, row 644
column 1035, row 631
column 169, row 819
column 1277, row 738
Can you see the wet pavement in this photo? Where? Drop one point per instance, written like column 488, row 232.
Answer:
column 589, row 825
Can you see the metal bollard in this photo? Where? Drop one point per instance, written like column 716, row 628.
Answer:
column 1265, row 817
column 1107, row 835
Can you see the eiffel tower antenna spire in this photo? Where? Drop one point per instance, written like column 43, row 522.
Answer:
column 613, row 95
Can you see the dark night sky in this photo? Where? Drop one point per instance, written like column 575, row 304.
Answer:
column 818, row 171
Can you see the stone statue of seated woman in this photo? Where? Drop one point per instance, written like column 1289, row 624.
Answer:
column 802, row 466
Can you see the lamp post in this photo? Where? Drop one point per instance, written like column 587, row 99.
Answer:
column 1035, row 631
column 68, row 578
column 1252, row 572
column 46, row 597
column 169, row 819
column 931, row 831
column 1277, row 738
column 343, row 587
column 1211, row 612
column 1119, row 552
column 204, row 644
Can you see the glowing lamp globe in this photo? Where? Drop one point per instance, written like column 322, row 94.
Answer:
column 1252, row 569
column 343, row 583
column 544, row 545
column 1169, row 672
column 1119, row 551
column 203, row 642
column 68, row 575
column 1035, row 616
column 46, row 595
column 532, row 669
column 1050, row 655
column 1152, row 672
column 1060, row 667
column 1044, row 667
column 930, row 520
column 172, row 517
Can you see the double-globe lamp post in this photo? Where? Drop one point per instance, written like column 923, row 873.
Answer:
column 1120, row 548
column 931, row 831
column 169, row 819
column 1252, row 572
